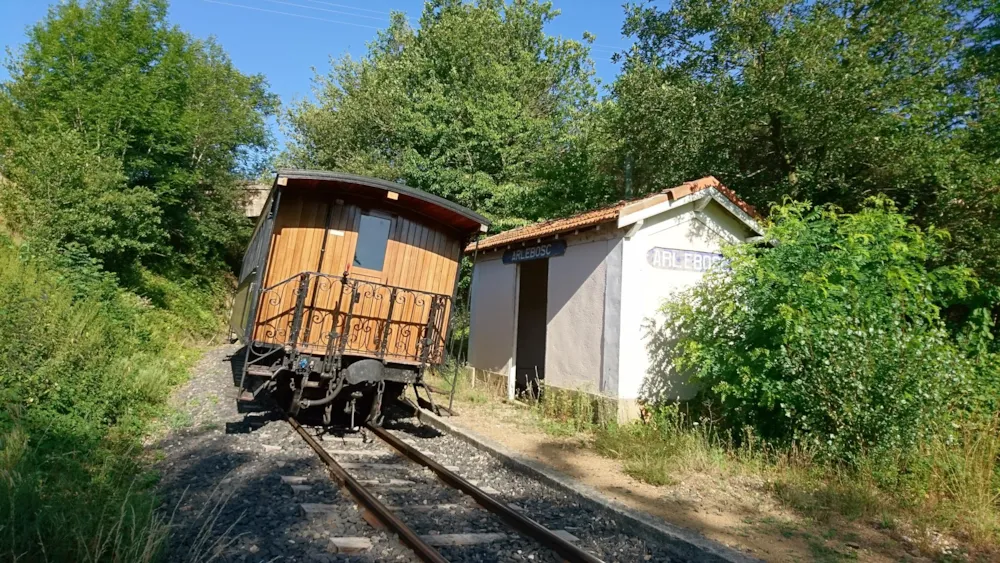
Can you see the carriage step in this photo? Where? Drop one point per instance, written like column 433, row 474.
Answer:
column 260, row 371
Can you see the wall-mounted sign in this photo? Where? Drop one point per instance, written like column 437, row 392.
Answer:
column 537, row 252
column 690, row 260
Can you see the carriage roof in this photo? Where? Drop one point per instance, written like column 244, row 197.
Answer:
column 429, row 205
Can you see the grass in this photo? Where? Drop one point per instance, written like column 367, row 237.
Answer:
column 84, row 367
column 953, row 488
column 180, row 419
column 52, row 518
column 559, row 413
column 467, row 389
column 571, row 412
column 823, row 553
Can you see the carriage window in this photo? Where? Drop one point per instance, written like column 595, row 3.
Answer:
column 373, row 237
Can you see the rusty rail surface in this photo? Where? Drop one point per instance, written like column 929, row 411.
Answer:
column 516, row 520
column 371, row 504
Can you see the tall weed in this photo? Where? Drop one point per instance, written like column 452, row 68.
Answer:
column 668, row 445
column 950, row 485
column 963, row 479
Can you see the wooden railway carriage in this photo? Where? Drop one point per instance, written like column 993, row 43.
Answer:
column 347, row 287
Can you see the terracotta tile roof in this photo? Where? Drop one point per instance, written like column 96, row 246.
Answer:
column 550, row 227
column 711, row 182
column 609, row 213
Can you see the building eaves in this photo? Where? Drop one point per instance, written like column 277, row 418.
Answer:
column 550, row 228
column 609, row 213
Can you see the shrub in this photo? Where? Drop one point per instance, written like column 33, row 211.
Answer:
column 68, row 193
column 828, row 334
column 83, row 366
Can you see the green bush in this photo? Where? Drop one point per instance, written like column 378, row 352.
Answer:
column 829, row 334
column 124, row 147
column 83, row 366
column 68, row 193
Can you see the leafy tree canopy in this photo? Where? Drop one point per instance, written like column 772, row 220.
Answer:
column 478, row 105
column 830, row 100
column 126, row 137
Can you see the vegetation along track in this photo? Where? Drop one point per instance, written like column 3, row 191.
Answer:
column 440, row 515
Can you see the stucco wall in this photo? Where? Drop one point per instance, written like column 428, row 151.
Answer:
column 576, row 316
column 611, row 355
column 492, row 316
column 644, row 288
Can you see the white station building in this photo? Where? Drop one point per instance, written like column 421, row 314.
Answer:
column 568, row 300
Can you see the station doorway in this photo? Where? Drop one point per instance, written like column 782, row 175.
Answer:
column 532, row 304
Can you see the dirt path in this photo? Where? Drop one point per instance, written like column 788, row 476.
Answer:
column 737, row 512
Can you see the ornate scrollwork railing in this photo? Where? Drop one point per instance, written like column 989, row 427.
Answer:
column 321, row 314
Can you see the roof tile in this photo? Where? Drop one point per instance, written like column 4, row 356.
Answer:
column 604, row 215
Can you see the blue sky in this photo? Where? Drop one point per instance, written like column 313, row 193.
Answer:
column 286, row 39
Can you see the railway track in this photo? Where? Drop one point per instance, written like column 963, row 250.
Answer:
column 365, row 470
column 246, row 487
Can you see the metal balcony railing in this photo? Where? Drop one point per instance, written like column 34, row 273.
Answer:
column 321, row 314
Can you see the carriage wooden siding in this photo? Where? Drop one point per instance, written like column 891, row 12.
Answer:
column 315, row 231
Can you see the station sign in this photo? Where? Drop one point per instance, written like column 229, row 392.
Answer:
column 537, row 252
column 687, row 260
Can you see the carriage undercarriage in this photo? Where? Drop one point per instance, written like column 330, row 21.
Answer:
column 355, row 397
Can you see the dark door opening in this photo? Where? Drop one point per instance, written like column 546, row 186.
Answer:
column 532, row 303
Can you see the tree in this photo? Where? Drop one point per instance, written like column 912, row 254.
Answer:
column 125, row 136
column 478, row 105
column 830, row 100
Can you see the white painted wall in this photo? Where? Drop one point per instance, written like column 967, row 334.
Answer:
column 644, row 287
column 583, row 350
column 574, row 340
column 492, row 316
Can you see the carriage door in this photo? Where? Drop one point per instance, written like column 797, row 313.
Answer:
column 532, row 304
column 367, row 299
column 354, row 242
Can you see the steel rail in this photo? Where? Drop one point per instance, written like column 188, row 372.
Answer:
column 516, row 520
column 369, row 502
